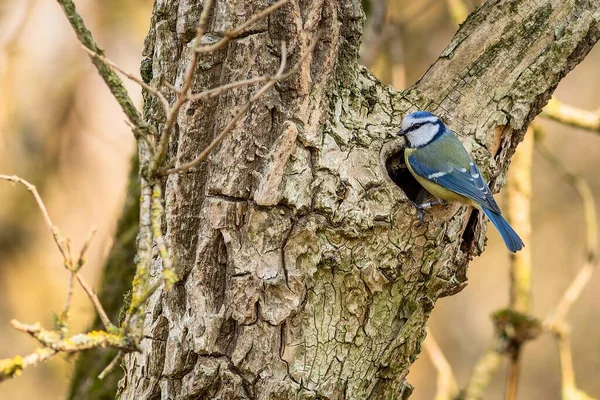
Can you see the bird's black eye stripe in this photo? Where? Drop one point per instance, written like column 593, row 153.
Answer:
column 415, row 126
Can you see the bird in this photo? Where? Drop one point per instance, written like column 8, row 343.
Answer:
column 439, row 162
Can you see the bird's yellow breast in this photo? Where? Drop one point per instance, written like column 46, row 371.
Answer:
column 436, row 190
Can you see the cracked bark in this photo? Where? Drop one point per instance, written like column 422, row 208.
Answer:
column 304, row 273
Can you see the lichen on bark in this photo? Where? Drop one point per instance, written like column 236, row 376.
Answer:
column 304, row 271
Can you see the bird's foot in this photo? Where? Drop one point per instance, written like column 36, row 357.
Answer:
column 425, row 205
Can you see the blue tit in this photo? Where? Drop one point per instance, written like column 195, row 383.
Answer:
column 440, row 163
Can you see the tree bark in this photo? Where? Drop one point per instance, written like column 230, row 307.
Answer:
column 304, row 271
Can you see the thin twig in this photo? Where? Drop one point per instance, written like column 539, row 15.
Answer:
column 10, row 45
column 233, row 122
column 63, row 319
column 157, row 215
column 144, row 258
column 514, row 370
column 65, row 248
column 96, row 302
column 446, row 382
column 13, row 367
column 229, row 35
column 173, row 112
column 112, row 365
column 84, row 249
column 58, row 239
column 214, row 92
column 111, row 79
column 556, row 321
column 139, row 81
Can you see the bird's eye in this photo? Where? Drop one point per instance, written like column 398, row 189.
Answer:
column 415, row 126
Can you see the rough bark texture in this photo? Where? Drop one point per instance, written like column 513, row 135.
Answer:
column 305, row 274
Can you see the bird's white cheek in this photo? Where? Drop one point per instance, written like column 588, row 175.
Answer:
column 423, row 135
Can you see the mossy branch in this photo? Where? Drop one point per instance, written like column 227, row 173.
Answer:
column 112, row 80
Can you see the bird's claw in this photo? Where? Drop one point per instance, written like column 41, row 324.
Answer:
column 420, row 213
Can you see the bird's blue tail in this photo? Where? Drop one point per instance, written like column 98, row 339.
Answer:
column 511, row 239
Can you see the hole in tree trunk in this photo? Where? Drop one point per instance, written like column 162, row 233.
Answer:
column 401, row 176
column 469, row 234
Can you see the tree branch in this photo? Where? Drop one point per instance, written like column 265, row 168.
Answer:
column 572, row 116
column 519, row 190
column 447, row 388
column 111, row 79
column 279, row 76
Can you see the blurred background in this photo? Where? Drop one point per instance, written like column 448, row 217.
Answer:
column 61, row 129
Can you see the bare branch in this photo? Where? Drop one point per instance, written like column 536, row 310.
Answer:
column 519, row 189
column 10, row 45
column 231, row 125
column 214, row 92
column 113, row 364
column 184, row 96
column 556, row 321
column 446, row 382
column 514, row 370
column 75, row 343
column 96, row 302
column 574, row 290
column 173, row 112
column 111, row 79
column 58, row 239
column 157, row 215
column 144, row 257
column 572, row 116
column 239, row 30
column 568, row 383
column 139, row 81
column 64, row 246
column 482, row 374
column 86, row 245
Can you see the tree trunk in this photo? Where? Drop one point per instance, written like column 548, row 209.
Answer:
column 304, row 271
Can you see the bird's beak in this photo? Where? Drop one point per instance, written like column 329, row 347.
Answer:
column 401, row 132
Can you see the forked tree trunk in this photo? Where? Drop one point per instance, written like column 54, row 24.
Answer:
column 305, row 274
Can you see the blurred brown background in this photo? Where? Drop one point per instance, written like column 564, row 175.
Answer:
column 60, row 129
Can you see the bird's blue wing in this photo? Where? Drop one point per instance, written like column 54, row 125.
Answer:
column 464, row 180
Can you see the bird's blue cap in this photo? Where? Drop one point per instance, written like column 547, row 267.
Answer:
column 421, row 114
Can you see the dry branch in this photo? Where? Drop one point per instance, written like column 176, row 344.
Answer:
column 582, row 278
column 280, row 75
column 111, row 79
column 482, row 375
column 556, row 321
column 519, row 191
column 572, row 116
column 446, row 388
column 229, row 35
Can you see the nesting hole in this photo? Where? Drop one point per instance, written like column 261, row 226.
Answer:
column 401, row 176
column 468, row 235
